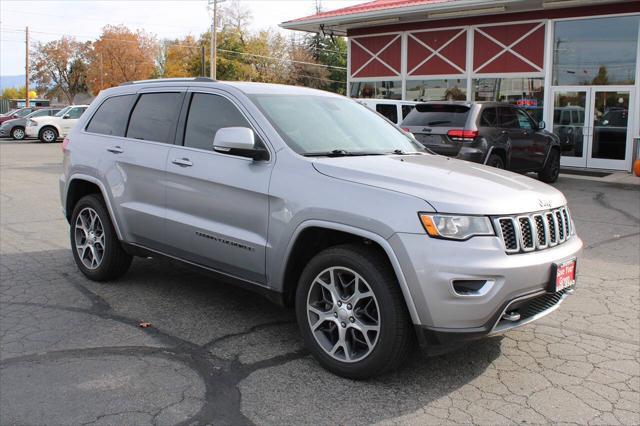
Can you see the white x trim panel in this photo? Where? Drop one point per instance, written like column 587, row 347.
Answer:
column 375, row 56
column 437, row 51
column 509, row 48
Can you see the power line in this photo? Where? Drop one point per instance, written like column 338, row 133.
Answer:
column 198, row 46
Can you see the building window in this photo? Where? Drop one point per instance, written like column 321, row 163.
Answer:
column 436, row 90
column 598, row 51
column 377, row 89
column 527, row 93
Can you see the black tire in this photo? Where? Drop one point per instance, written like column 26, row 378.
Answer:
column 551, row 170
column 115, row 261
column 17, row 133
column 45, row 132
column 496, row 161
column 396, row 336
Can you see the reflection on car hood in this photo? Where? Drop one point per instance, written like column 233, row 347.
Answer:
column 449, row 185
column 13, row 122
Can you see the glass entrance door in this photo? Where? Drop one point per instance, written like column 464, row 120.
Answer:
column 593, row 125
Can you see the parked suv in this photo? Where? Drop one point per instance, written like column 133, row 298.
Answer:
column 15, row 127
column 496, row 134
column 317, row 202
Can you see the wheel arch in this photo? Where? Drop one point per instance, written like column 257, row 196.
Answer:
column 81, row 185
column 313, row 236
column 502, row 152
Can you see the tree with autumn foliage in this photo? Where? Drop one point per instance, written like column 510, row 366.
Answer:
column 60, row 67
column 121, row 55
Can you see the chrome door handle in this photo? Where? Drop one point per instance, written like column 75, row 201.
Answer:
column 115, row 149
column 182, row 162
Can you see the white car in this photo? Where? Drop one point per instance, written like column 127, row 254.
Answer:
column 392, row 109
column 50, row 128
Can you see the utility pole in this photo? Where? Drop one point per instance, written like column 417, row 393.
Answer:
column 213, row 53
column 26, row 68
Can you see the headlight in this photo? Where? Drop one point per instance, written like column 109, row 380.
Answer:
column 32, row 123
column 455, row 227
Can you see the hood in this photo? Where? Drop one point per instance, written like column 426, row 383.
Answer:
column 449, row 185
column 13, row 122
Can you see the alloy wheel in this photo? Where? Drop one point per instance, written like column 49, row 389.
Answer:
column 18, row 134
column 48, row 135
column 343, row 314
column 89, row 238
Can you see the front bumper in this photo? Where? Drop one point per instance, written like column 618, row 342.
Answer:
column 431, row 267
column 31, row 131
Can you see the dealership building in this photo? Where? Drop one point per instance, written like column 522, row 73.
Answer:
column 573, row 63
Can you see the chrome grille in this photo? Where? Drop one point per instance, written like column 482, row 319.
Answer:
column 535, row 231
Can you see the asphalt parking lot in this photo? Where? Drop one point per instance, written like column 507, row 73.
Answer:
column 72, row 351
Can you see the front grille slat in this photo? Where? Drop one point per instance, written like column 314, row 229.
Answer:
column 535, row 231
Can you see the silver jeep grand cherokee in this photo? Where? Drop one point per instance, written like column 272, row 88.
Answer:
column 317, row 202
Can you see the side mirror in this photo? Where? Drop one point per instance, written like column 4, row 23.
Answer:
column 65, row 117
column 239, row 141
column 541, row 125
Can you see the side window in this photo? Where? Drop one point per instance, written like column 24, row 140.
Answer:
column 154, row 117
column 523, row 120
column 509, row 118
column 489, row 118
column 75, row 113
column 406, row 109
column 207, row 114
column 40, row 113
column 389, row 111
column 111, row 117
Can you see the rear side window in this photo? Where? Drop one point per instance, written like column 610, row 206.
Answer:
column 111, row 117
column 438, row 115
column 489, row 118
column 389, row 111
column 406, row 109
column 40, row 113
column 207, row 114
column 154, row 117
column 509, row 118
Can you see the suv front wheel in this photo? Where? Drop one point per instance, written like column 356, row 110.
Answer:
column 352, row 313
column 94, row 242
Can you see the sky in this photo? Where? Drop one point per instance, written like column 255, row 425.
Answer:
column 49, row 20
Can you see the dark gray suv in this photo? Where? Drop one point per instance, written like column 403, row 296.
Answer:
column 496, row 134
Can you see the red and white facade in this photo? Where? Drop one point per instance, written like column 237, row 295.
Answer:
column 513, row 50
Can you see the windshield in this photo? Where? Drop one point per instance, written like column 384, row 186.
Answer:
column 63, row 111
column 10, row 112
column 312, row 124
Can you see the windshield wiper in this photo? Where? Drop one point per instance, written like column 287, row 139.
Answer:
column 401, row 152
column 435, row 123
column 340, row 153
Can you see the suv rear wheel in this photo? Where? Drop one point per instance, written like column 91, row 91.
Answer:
column 351, row 312
column 94, row 242
column 551, row 169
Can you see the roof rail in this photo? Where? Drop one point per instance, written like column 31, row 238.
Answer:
column 169, row 80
